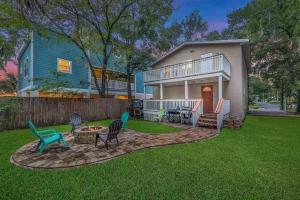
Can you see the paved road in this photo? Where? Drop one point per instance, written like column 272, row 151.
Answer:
column 269, row 107
column 269, row 110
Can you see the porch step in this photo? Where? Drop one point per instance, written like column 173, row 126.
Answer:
column 210, row 116
column 208, row 120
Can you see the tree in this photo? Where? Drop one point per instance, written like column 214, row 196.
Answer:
column 91, row 25
column 273, row 27
column 194, row 27
column 14, row 29
column 258, row 87
column 54, row 82
column 143, row 20
column 9, row 84
column 213, row 35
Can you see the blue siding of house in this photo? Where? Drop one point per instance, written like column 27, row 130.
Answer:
column 24, row 82
column 46, row 52
column 140, row 83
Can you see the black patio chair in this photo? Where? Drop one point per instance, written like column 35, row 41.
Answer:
column 114, row 130
column 76, row 121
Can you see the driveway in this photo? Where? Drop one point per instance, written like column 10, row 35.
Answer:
column 269, row 107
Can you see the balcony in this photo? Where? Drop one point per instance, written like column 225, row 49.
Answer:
column 214, row 64
column 112, row 84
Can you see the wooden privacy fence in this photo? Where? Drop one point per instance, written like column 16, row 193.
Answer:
column 52, row 111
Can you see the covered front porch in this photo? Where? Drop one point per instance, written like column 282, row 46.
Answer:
column 200, row 96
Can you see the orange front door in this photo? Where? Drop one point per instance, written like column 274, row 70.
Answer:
column 207, row 95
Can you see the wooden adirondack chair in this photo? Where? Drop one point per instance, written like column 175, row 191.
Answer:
column 76, row 121
column 47, row 137
column 160, row 115
column 114, row 130
column 124, row 118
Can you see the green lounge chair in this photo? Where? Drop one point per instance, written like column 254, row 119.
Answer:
column 47, row 137
column 160, row 115
column 124, row 118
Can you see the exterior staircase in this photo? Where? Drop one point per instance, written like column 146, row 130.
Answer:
column 208, row 120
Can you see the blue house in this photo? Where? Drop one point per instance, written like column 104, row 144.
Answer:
column 42, row 56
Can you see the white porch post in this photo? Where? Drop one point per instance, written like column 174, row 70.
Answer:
column 186, row 92
column 220, row 87
column 145, row 97
column 161, row 95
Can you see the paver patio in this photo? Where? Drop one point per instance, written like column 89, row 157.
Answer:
column 83, row 154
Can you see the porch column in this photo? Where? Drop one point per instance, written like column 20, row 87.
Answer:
column 186, row 93
column 145, row 92
column 186, row 90
column 220, row 87
column 161, row 95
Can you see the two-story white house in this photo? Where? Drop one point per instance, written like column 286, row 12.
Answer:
column 211, row 77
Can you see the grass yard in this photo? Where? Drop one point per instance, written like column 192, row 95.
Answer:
column 143, row 126
column 260, row 161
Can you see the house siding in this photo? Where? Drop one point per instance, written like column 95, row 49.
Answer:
column 46, row 52
column 24, row 82
column 139, row 88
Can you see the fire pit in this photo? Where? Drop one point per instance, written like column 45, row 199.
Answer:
column 87, row 134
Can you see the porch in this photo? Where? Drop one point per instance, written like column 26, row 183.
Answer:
column 197, row 85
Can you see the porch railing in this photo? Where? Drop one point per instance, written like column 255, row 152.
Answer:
column 197, row 112
column 112, row 84
column 222, row 110
column 155, row 105
column 216, row 63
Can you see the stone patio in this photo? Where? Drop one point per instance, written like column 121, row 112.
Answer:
column 84, row 154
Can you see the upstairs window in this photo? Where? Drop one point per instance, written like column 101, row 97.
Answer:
column 64, row 66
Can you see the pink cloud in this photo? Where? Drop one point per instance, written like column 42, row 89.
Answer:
column 9, row 68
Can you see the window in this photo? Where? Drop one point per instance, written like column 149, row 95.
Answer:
column 64, row 66
column 98, row 72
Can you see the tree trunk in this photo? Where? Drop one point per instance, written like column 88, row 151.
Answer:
column 103, row 81
column 282, row 98
column 130, row 107
column 95, row 79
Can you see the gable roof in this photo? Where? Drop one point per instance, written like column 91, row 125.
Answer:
column 214, row 42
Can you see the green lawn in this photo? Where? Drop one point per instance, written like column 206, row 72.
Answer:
column 259, row 161
column 143, row 126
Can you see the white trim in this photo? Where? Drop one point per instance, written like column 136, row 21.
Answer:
column 209, row 75
column 57, row 67
column 31, row 60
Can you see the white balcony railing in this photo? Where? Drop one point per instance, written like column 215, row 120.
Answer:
column 213, row 64
column 112, row 84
